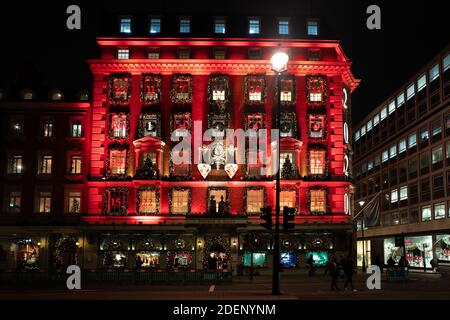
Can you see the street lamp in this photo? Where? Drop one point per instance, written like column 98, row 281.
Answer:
column 361, row 204
column 279, row 63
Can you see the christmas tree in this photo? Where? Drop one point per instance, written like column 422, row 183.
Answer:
column 287, row 170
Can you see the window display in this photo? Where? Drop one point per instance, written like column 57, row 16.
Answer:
column 151, row 89
column 316, row 87
column 120, row 89
column 359, row 253
column 288, row 259
column 442, row 246
column 320, row 257
column 259, row 259
column 316, row 126
column 255, row 87
column 182, row 89
column 115, row 259
column 150, row 125
column 179, row 259
column 147, row 259
column 27, row 254
column 417, row 248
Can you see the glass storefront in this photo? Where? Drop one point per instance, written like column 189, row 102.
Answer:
column 417, row 249
column 359, row 252
column 27, row 254
column 442, row 247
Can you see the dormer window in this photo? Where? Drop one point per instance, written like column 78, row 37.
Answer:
column 283, row 27
column 155, row 25
column 184, row 53
column 125, row 25
column 123, row 53
column 254, row 26
column 185, row 25
column 313, row 28
column 219, row 26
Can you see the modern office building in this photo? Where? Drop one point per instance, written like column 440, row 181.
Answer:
column 402, row 158
column 145, row 192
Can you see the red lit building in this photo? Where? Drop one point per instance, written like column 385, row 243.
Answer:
column 139, row 206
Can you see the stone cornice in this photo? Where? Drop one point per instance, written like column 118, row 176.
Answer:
column 232, row 67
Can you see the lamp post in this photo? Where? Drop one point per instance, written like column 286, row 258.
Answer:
column 279, row 65
column 361, row 204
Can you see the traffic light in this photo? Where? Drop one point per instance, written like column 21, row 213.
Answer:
column 266, row 215
column 288, row 218
column 399, row 240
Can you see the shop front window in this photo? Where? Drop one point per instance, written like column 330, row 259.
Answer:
column 418, row 250
column 255, row 200
column 442, row 246
column 26, row 253
column 360, row 250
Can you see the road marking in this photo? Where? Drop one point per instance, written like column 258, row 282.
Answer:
column 211, row 288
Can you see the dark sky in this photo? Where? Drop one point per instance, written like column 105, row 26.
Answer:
column 38, row 50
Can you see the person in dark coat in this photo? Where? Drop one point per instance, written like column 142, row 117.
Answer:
column 310, row 264
column 349, row 268
column 332, row 269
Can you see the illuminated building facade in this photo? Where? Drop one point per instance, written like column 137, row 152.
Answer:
column 402, row 154
column 139, row 206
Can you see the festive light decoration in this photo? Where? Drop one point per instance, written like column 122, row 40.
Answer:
column 181, row 89
column 231, row 169
column 219, row 91
column 120, row 89
column 316, row 89
column 204, row 169
column 150, row 89
column 255, row 89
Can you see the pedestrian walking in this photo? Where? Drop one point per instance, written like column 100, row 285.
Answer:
column 310, row 264
column 332, row 269
column 349, row 270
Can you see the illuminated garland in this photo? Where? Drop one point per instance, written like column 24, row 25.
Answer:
column 289, row 119
column 324, row 126
column 185, row 115
column 245, row 199
column 173, row 94
column 293, row 90
column 119, row 147
column 327, row 202
column 317, row 147
column 120, row 101
column 222, row 82
column 141, row 127
column 257, row 78
column 138, row 200
column 290, row 188
column 171, row 190
column 64, row 245
column 157, row 79
column 105, row 200
column 217, row 240
column 111, row 127
column 310, row 80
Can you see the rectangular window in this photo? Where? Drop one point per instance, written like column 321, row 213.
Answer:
column 412, row 140
column 48, row 129
column 180, row 201
column 436, row 155
column 74, row 202
column 400, row 99
column 45, row 166
column 125, row 25
column 376, row 119
column 393, row 151
column 377, row 160
column 446, row 62
column 421, row 82
column 15, row 199
column 423, row 161
column 317, row 162
column 395, row 218
column 436, row 128
column 75, row 164
column 119, row 126
column 254, row 53
column 220, row 53
column 363, row 131
column 183, row 53
column 116, row 201
column 370, row 165
column 402, row 146
column 155, row 25
column 255, row 200
column 118, row 160
column 15, row 164
column 219, row 26
column 385, row 156
column 424, row 135
column 185, row 25
column 410, row 92
column 369, row 125
column 76, row 129
column 357, row 135
column 383, row 113
column 314, row 54
column 45, row 202
column 288, row 198
column 147, row 203
column 403, row 193
column 153, row 53
column 439, row 210
column 394, row 196
column 253, row 26
column 312, row 28
column 283, row 27
column 434, row 73
column 426, row 213
column 391, row 106
column 123, row 53
column 447, row 150
column 318, row 202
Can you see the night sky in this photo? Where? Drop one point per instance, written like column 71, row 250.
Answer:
column 38, row 51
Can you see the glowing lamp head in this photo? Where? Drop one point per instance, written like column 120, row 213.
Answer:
column 279, row 62
column 361, row 203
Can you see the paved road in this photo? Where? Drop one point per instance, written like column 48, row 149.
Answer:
column 420, row 286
